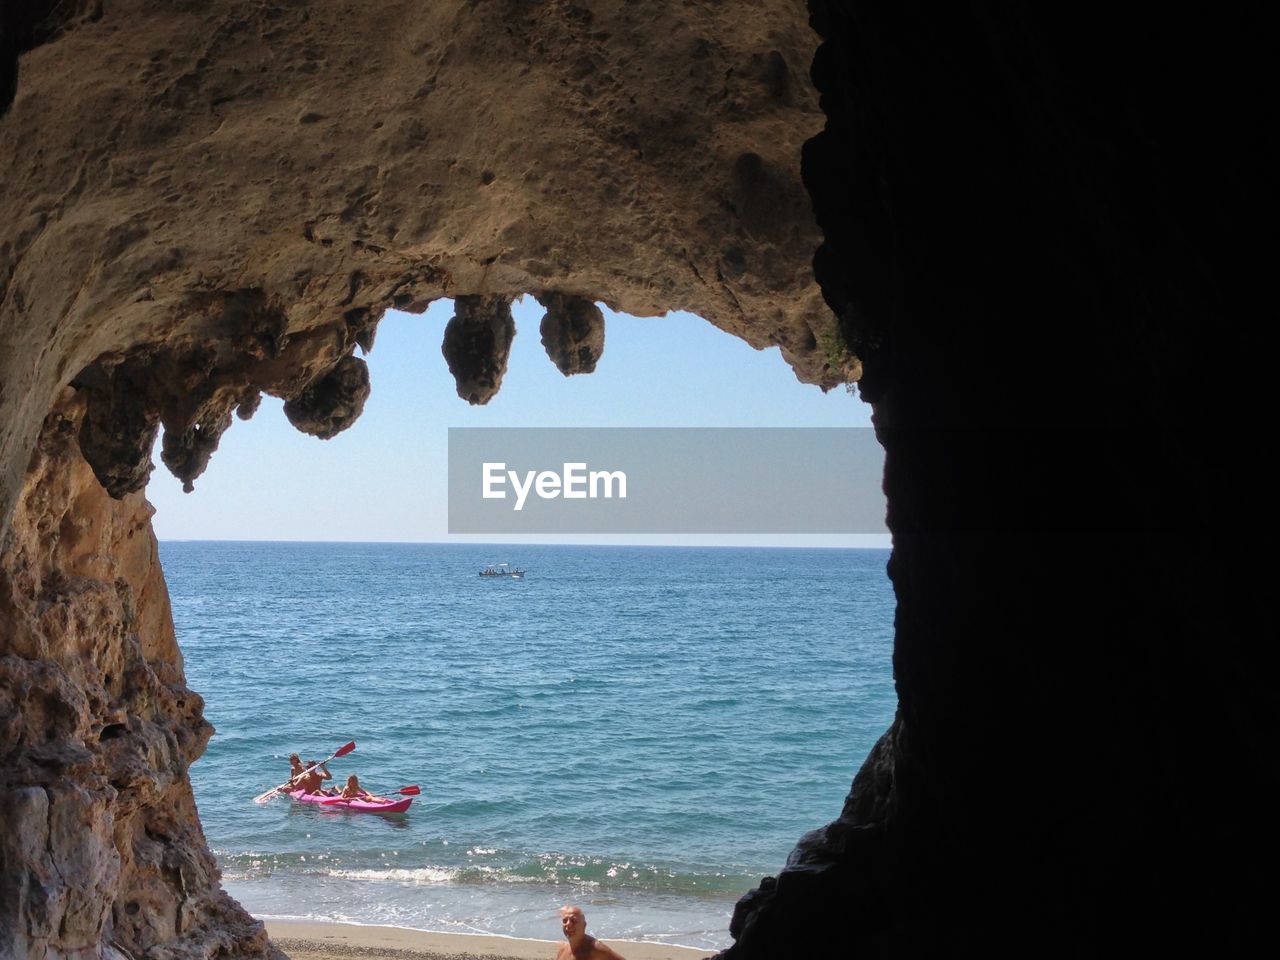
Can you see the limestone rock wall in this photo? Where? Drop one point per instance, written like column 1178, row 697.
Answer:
column 101, row 851
column 215, row 183
column 1044, row 234
column 205, row 202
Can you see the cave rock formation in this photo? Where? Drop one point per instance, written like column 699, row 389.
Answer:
column 1041, row 251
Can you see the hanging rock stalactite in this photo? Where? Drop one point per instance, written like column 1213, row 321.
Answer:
column 477, row 343
column 572, row 332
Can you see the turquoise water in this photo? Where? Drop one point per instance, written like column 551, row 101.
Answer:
column 643, row 730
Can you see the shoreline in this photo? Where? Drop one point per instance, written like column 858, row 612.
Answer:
column 319, row 940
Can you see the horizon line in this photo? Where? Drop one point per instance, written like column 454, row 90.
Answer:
column 486, row 543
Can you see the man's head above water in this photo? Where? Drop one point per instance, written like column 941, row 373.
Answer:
column 579, row 945
column 573, row 922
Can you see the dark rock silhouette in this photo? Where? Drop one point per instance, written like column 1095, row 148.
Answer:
column 1043, row 250
column 572, row 332
column 332, row 402
column 477, row 343
column 1041, row 237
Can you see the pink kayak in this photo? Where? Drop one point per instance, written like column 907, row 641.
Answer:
column 360, row 806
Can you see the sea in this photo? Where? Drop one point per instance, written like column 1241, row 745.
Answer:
column 643, row 731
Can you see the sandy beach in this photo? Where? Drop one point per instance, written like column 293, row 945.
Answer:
column 342, row 941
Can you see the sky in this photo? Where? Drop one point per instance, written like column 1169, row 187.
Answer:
column 384, row 479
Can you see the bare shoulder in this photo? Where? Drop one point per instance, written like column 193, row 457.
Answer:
column 605, row 952
column 563, row 952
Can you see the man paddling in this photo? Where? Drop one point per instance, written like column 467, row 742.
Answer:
column 581, row 946
column 312, row 781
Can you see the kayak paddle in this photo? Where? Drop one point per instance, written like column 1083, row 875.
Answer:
column 410, row 791
column 342, row 751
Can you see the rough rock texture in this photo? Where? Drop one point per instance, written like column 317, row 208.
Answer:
column 244, row 173
column 191, row 385
column 219, row 201
column 477, row 343
column 1041, row 237
column 572, row 332
column 331, row 402
column 101, row 852
column 25, row 24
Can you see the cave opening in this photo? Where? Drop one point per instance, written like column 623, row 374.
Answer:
column 237, row 233
column 1006, row 202
column 698, row 689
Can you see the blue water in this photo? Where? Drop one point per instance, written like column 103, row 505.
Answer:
column 645, row 731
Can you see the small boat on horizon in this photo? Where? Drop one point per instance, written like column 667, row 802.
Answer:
column 501, row 570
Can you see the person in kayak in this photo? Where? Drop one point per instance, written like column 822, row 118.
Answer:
column 296, row 770
column 313, row 777
column 580, row 945
column 353, row 791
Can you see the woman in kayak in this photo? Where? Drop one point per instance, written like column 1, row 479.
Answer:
column 353, row 791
